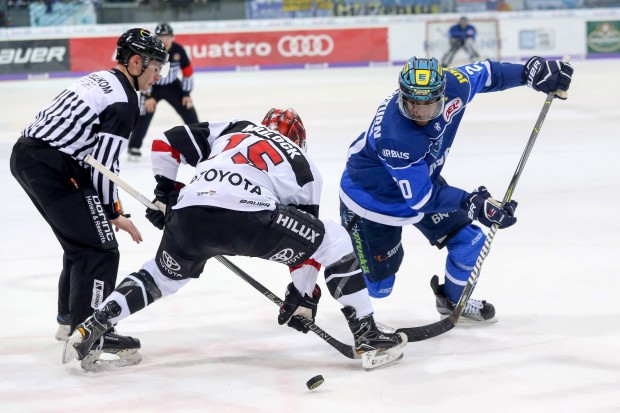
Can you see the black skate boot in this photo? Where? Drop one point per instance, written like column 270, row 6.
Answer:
column 64, row 327
column 96, row 336
column 377, row 348
column 134, row 154
column 476, row 310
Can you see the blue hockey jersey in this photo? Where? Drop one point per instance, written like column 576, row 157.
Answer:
column 392, row 168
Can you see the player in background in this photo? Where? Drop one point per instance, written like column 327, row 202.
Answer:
column 462, row 36
column 93, row 116
column 170, row 88
column 393, row 173
column 255, row 193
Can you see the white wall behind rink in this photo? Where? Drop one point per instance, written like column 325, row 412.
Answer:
column 567, row 29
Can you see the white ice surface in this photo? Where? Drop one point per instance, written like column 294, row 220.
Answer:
column 216, row 347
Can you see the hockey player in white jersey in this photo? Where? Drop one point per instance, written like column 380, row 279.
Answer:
column 392, row 176
column 255, row 193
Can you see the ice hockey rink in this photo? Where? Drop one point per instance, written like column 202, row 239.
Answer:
column 216, row 346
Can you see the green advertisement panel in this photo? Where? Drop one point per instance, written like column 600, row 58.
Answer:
column 603, row 37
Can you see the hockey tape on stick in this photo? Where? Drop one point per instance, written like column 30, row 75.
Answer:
column 445, row 325
column 345, row 349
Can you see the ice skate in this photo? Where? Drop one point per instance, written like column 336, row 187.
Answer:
column 378, row 348
column 134, row 154
column 64, row 327
column 97, row 345
column 475, row 310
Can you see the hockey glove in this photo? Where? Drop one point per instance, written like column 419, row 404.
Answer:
column 480, row 206
column 547, row 75
column 166, row 192
column 295, row 308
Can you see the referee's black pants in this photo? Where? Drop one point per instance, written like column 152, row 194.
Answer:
column 63, row 193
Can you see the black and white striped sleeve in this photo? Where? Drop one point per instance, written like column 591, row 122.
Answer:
column 112, row 139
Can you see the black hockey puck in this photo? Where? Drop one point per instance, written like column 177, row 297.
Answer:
column 315, row 382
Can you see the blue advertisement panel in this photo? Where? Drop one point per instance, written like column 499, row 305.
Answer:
column 278, row 9
column 281, row 9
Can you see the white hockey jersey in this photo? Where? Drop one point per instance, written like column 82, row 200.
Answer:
column 239, row 166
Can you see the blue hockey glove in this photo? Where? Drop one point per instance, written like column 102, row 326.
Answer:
column 296, row 308
column 480, row 206
column 547, row 75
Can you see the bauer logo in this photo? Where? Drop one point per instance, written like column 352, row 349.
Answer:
column 34, row 56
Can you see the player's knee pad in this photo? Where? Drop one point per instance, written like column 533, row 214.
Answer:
column 139, row 289
column 344, row 277
column 464, row 247
column 381, row 288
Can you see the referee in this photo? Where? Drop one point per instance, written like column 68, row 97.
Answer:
column 170, row 88
column 93, row 116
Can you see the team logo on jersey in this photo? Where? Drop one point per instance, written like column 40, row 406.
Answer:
column 452, row 108
column 436, row 147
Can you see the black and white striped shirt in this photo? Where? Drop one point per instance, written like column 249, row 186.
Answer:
column 179, row 64
column 95, row 116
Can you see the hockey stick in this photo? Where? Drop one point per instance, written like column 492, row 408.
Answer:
column 345, row 349
column 445, row 325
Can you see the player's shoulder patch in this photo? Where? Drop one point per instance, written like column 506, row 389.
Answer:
column 452, row 107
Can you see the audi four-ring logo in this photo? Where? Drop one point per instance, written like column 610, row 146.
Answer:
column 305, row 45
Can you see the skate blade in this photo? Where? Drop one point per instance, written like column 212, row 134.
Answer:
column 372, row 360
column 470, row 321
column 69, row 352
column 99, row 361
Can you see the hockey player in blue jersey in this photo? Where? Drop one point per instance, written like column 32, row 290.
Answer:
column 393, row 173
column 462, row 36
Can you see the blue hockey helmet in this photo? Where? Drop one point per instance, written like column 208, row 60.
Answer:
column 422, row 84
